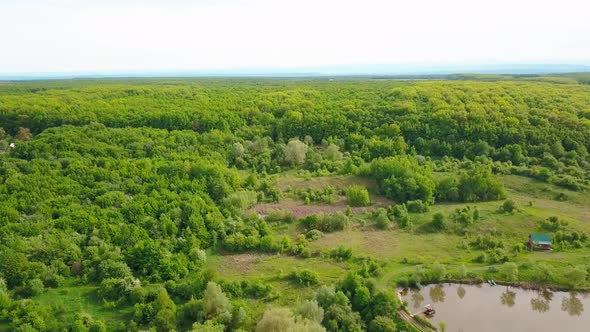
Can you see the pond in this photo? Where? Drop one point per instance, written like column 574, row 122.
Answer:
column 482, row 308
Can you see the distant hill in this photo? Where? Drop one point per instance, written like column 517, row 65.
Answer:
column 374, row 71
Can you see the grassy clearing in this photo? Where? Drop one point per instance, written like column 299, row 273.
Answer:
column 294, row 181
column 73, row 298
column 401, row 250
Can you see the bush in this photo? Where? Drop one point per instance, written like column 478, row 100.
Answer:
column 358, row 196
column 214, row 301
column 118, row 289
column 404, row 221
column 240, row 200
column 32, row 288
column 486, row 242
column 268, row 244
column 326, row 222
column 416, row 206
column 304, row 277
column 509, row 271
column 382, row 324
column 311, row 310
column 327, row 195
column 476, row 184
column 341, row 253
column 438, row 221
column 575, row 276
column 280, row 215
column 251, row 289
column 381, row 219
column 553, row 223
column 508, row 206
column 399, row 210
column 482, row 258
column 497, row 255
column 466, row 215
column 313, row 235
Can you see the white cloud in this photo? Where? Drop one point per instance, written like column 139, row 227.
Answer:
column 86, row 35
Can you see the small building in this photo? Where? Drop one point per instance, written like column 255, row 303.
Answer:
column 539, row 241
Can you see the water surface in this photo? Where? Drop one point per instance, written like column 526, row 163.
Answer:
column 482, row 308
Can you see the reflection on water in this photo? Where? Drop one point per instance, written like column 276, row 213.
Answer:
column 417, row 298
column 546, row 294
column 461, row 291
column 484, row 308
column 508, row 298
column 437, row 293
column 572, row 305
column 540, row 305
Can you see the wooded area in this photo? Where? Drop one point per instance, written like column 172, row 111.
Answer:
column 131, row 187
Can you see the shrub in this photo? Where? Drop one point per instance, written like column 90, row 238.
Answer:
column 268, row 244
column 482, row 258
column 252, row 289
column 327, row 195
column 399, row 210
column 282, row 319
column 118, row 289
column 358, row 196
column 553, row 223
column 326, row 222
column 567, row 181
column 508, row 206
column 313, row 235
column 304, row 277
column 486, row 242
column 466, row 215
column 280, row 215
column 310, row 309
column 404, row 221
column 575, row 276
column 438, row 221
column 416, row 206
column 382, row 324
column 240, row 200
column 381, row 219
column 198, row 256
column 437, row 272
column 479, row 184
column 214, row 301
column 341, row 253
column 509, row 271
column 497, row 255
column 566, row 240
column 32, row 287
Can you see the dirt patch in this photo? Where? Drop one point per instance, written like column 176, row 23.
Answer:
column 242, row 262
column 300, row 209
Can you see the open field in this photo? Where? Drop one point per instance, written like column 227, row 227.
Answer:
column 420, row 245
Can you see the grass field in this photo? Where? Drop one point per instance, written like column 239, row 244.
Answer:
column 401, row 250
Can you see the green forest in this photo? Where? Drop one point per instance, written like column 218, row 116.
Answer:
column 283, row 204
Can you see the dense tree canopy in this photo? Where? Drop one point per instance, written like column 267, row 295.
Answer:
column 128, row 185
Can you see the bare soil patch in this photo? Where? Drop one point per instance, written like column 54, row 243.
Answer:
column 241, row 262
column 299, row 209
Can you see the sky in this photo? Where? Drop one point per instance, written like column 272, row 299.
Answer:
column 52, row 36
